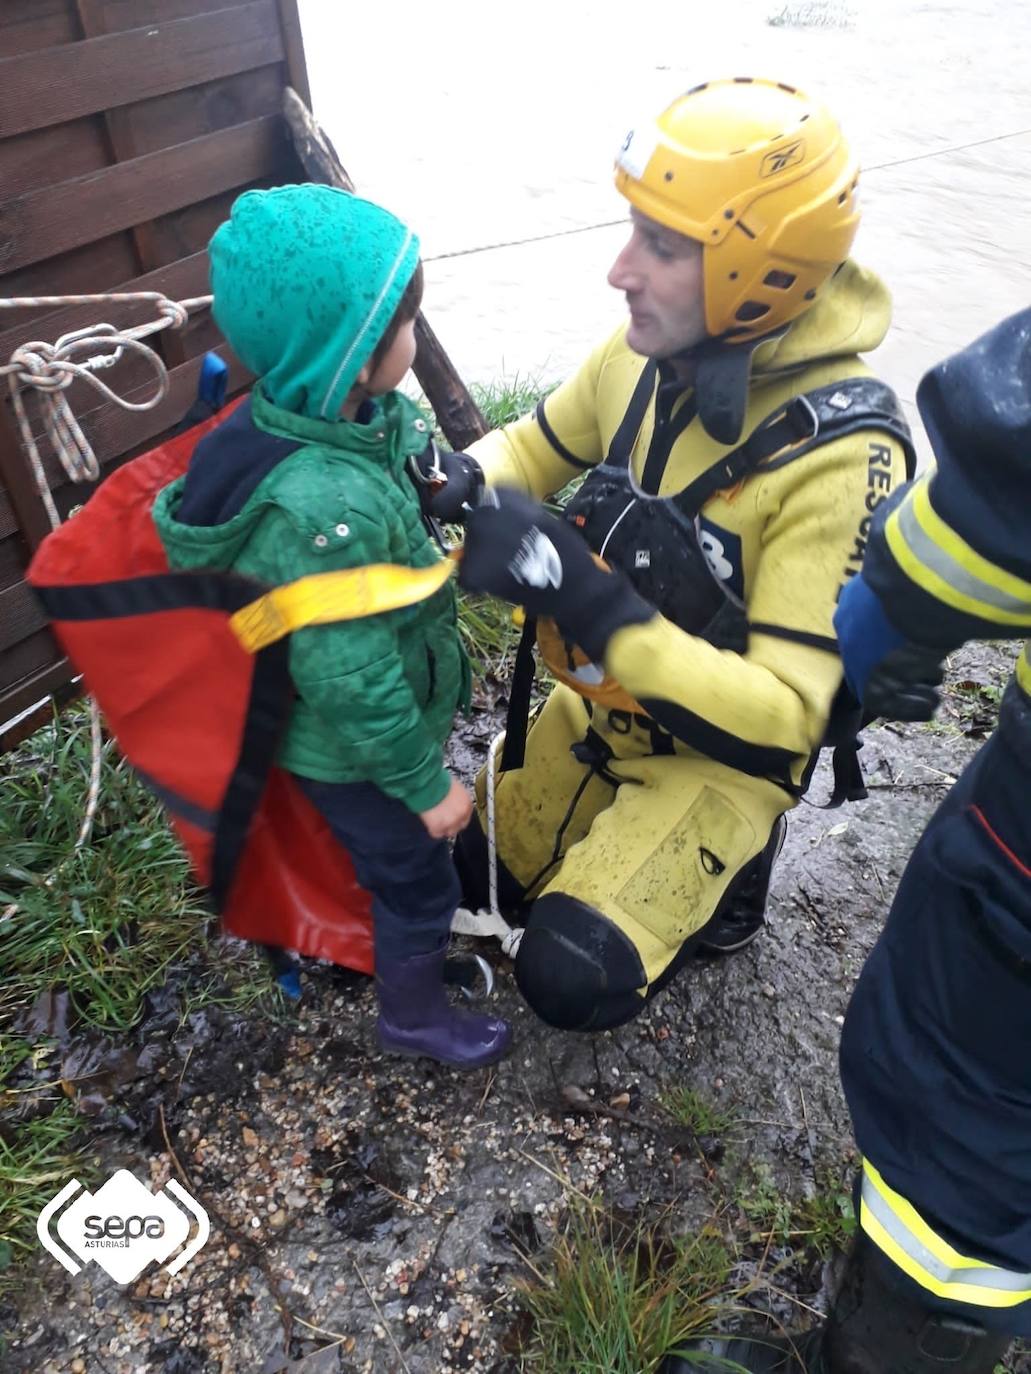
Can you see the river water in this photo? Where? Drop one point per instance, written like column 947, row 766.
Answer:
column 484, row 124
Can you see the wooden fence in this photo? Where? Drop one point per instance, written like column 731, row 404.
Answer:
column 127, row 128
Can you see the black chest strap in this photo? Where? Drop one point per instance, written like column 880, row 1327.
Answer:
column 805, row 422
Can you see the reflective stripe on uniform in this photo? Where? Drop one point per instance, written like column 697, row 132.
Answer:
column 1024, row 670
column 937, row 559
column 897, row 1228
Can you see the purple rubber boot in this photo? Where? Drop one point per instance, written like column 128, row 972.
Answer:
column 416, row 1018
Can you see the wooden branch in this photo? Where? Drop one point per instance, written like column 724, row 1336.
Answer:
column 457, row 412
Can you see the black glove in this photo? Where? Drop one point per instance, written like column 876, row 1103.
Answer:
column 448, row 483
column 517, row 550
column 904, row 684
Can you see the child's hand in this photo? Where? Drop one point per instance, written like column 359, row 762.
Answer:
column 451, row 815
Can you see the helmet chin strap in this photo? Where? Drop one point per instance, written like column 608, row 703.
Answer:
column 722, row 370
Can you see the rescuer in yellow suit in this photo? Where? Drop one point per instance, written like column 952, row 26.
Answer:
column 733, row 447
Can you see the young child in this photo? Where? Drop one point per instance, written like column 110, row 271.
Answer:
column 317, row 291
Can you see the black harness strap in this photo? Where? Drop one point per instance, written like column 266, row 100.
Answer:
column 148, row 595
column 622, row 444
column 795, row 425
column 811, row 641
column 804, row 423
column 555, row 442
column 267, row 710
column 513, row 751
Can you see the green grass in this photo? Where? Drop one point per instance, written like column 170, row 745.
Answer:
column 613, row 1299
column 488, row 631
column 97, row 928
column 104, row 923
column 36, row 1160
column 692, row 1110
column 820, row 1223
column 506, row 400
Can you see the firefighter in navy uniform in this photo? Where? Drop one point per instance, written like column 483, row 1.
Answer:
column 734, row 445
column 934, row 1055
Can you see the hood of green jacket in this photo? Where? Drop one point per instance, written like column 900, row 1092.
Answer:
column 306, row 280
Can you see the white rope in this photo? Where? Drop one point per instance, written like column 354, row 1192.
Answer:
column 490, row 923
column 50, row 369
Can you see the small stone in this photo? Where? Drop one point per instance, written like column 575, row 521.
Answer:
column 769, row 990
column 621, row 1102
column 234, row 1251
column 278, row 1219
column 250, row 1138
column 78, row 1366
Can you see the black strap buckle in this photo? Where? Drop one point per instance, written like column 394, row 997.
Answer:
column 801, row 415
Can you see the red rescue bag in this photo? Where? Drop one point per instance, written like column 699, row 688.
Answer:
column 197, row 716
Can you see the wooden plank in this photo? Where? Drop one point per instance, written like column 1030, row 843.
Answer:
column 13, row 558
column 65, row 499
column 130, row 14
column 293, row 40
column 189, row 230
column 57, row 84
column 49, row 156
column 179, row 281
column 30, row 24
column 44, row 223
column 18, row 494
column 20, row 615
column 115, row 432
column 182, row 115
column 61, row 692
column 83, row 271
column 21, row 669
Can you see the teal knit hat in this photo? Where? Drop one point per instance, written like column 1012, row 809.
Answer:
column 306, row 280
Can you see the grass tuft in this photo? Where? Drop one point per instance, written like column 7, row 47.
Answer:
column 690, row 1109
column 612, row 1298
column 819, row 1224
column 812, row 14
column 509, row 399
column 105, row 923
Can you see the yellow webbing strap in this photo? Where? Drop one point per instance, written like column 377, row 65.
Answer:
column 350, row 594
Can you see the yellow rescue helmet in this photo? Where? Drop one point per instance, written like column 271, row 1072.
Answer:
column 759, row 174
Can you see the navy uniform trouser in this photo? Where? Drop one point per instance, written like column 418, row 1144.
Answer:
column 936, row 1052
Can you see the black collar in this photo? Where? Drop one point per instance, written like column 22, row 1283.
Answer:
column 723, row 370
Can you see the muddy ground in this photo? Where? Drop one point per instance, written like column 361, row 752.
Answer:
column 371, row 1214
